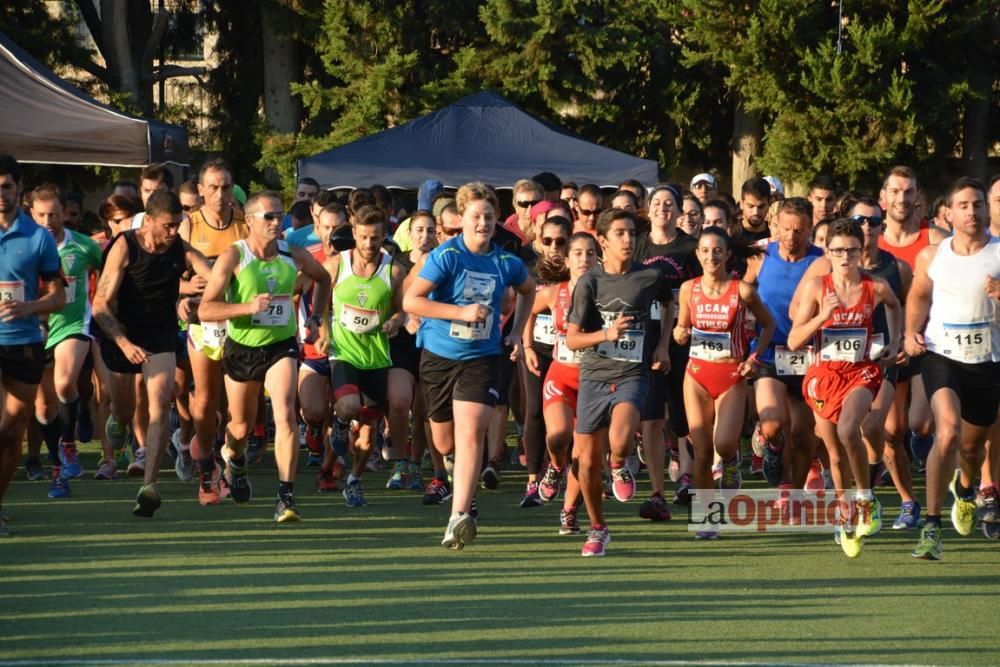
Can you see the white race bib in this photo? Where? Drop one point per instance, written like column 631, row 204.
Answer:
column 472, row 330
column 277, row 312
column 876, row 346
column 545, row 330
column 70, row 289
column 787, row 362
column 214, row 333
column 968, row 343
column 849, row 345
column 565, row 355
column 11, row 290
column 627, row 348
column 711, row 345
column 359, row 320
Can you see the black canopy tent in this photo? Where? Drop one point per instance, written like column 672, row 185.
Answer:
column 44, row 119
column 480, row 137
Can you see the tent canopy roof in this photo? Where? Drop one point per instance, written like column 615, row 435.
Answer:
column 480, row 137
column 45, row 119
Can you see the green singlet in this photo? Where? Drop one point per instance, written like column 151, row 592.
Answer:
column 255, row 276
column 360, row 307
column 79, row 256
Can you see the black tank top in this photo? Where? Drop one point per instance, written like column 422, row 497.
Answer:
column 147, row 296
column 888, row 270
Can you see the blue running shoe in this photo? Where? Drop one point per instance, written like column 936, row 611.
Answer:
column 909, row 516
column 70, row 460
column 354, row 494
column 772, row 465
column 59, row 487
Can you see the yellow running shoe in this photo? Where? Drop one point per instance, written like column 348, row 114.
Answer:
column 850, row 543
column 963, row 510
column 869, row 518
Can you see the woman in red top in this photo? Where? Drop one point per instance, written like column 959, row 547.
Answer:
column 712, row 315
column 562, row 380
column 835, row 313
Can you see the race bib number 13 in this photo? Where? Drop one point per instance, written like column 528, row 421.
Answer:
column 11, row 290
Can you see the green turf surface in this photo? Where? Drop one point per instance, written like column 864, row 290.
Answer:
column 84, row 580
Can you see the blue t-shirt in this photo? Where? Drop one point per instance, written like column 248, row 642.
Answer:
column 463, row 277
column 27, row 253
column 776, row 283
column 303, row 237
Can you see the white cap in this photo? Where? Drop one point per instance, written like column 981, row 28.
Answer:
column 704, row 178
column 776, row 185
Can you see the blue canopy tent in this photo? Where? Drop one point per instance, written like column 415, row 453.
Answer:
column 480, row 137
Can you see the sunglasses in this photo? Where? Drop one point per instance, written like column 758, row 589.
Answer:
column 589, row 212
column 451, row 231
column 271, row 216
column 559, row 241
column 528, row 204
column 870, row 220
column 188, row 208
column 840, row 252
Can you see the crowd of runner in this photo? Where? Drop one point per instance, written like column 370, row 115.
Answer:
column 849, row 339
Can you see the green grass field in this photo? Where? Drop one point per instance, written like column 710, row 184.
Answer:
column 85, row 582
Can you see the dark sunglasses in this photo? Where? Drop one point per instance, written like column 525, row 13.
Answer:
column 584, row 211
column 188, row 208
column 451, row 231
column 271, row 216
column 870, row 220
column 528, row 204
column 560, row 241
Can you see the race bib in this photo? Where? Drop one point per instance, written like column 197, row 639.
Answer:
column 544, row 331
column 472, row 330
column 849, row 345
column 214, row 333
column 654, row 311
column 787, row 362
column 711, row 345
column 627, row 348
column 968, row 343
column 359, row 320
column 876, row 346
column 563, row 353
column 277, row 312
column 70, row 289
column 11, row 290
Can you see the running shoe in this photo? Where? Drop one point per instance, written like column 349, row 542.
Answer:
column 416, row 478
column 756, row 464
column 117, row 433
column 548, row 487
column 757, row 441
column 397, row 480
column 597, row 541
column 683, row 494
column 850, row 542
column 437, row 492
column 632, row 463
column 706, row 535
column 33, row 470
column 106, row 470
column 208, row 493
column 461, row 530
column 731, row 479
column 622, row 484
column 238, row 482
column 59, row 488
column 138, row 466
column 256, row 446
column 655, row 508
column 869, row 518
column 608, row 491
column 963, row 510
column 490, row 477
column 184, row 463
column 84, row 424
column 354, row 494
column 147, row 501
column 909, row 516
column 814, row 480
column 325, row 483
column 314, row 443
column 991, row 531
column 531, row 498
column 986, row 505
column 783, row 503
column 772, row 465
column 568, row 524
column 69, row 457
column 717, row 471
column 286, row 510
column 929, row 546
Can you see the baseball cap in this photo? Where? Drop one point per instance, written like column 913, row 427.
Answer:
column 704, row 178
column 776, row 185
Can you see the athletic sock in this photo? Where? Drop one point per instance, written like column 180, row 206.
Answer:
column 50, row 435
column 873, row 473
column 934, row 519
column 285, row 490
column 67, row 413
column 207, row 469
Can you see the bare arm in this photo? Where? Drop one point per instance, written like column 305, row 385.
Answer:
column 107, row 288
column 682, row 332
column 213, row 307
column 416, row 301
column 753, row 268
column 767, row 327
column 398, row 317
column 820, row 267
column 522, row 309
column 918, row 302
column 197, row 261
column 814, row 309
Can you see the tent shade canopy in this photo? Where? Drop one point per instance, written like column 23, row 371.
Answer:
column 480, row 137
column 45, row 119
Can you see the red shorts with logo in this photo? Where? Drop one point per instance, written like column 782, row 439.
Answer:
column 825, row 387
column 715, row 377
column 562, row 383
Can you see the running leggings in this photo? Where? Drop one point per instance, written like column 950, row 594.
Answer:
column 534, row 422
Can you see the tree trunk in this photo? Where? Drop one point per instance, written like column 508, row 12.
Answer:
column 281, row 67
column 748, row 130
column 118, row 48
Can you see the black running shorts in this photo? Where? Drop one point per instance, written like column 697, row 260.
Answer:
column 446, row 380
column 250, row 364
column 977, row 386
column 22, row 363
